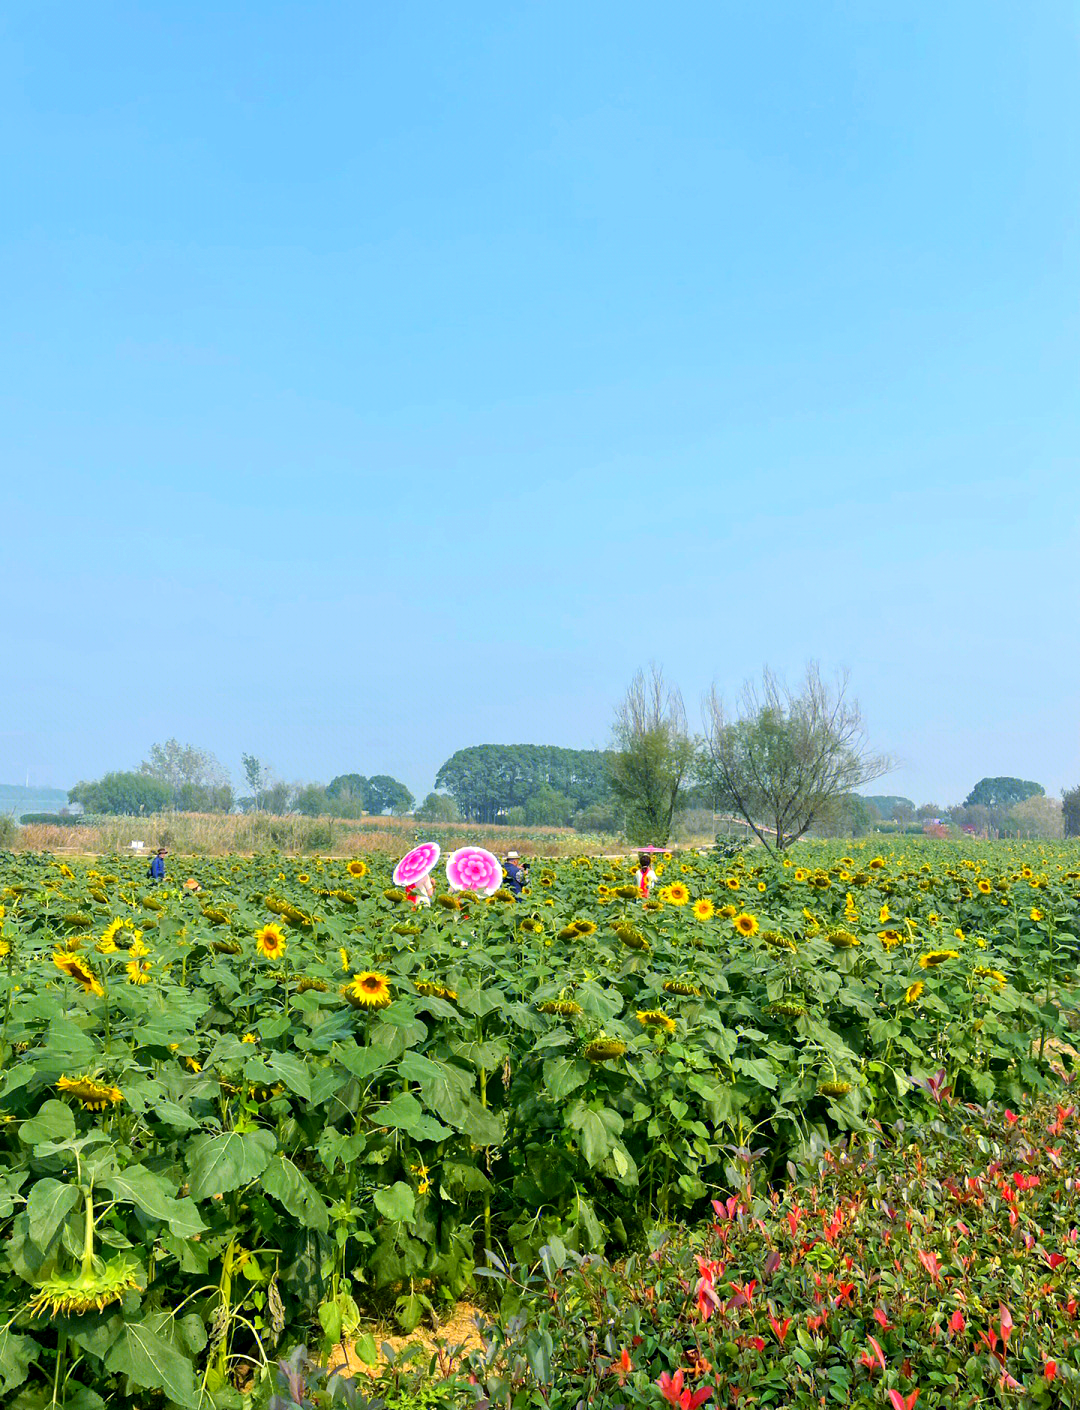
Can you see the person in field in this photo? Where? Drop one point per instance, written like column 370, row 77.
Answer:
column 157, row 866
column 515, row 874
column 644, row 877
column 420, row 893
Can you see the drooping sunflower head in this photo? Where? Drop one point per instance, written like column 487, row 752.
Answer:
column 583, row 927
column 656, row 1018
column 913, row 992
column 603, row 1049
column 842, row 939
column 834, row 1089
column 683, row 987
column 632, row 938
column 933, row 958
column 430, row 990
column 787, row 1008
column 76, row 1293
column 448, row 903
column 532, row 926
column 270, row 941
column 310, row 984
column 565, row 1008
column 368, row 990
column 91, row 1094
column 652, row 906
column 745, row 924
column 356, row 867
column 777, row 941
column 76, row 968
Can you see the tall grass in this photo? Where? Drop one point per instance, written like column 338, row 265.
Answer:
column 216, row 834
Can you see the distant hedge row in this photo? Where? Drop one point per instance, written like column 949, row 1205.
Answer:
column 54, row 819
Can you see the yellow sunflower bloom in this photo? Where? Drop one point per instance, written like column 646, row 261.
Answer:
column 270, row 941
column 746, row 924
column 76, row 968
column 356, row 867
column 703, row 909
column 368, row 990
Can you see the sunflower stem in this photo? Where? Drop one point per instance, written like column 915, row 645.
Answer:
column 88, row 1233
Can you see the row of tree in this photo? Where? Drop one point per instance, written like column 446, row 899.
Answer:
column 183, row 778
column 538, row 784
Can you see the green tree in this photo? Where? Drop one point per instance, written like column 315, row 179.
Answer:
column 547, row 807
column 437, row 807
column 653, row 757
column 348, row 789
column 198, row 782
column 1036, row 816
column 129, row 794
column 256, row 775
column 312, row 801
column 786, row 758
column 384, row 794
column 486, row 780
column 1070, row 807
column 1002, row 793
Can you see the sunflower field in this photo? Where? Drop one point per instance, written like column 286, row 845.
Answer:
column 274, row 1099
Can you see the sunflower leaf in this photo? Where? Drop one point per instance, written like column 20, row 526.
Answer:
column 218, row 1164
column 146, row 1358
column 49, row 1204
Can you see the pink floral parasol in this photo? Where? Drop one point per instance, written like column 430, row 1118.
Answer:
column 415, row 865
column 474, row 869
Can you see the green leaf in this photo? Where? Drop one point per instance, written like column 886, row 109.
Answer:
column 53, row 1122
column 283, row 1182
column 361, row 1062
column 16, row 1354
column 366, row 1349
column 597, row 1130
column 218, row 1164
column 564, row 1075
column 154, row 1195
column 291, row 1070
column 148, row 1359
column 405, row 1112
column 396, row 1202
column 49, row 1205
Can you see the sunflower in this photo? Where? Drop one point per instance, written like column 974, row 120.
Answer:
column 787, row 1008
column 883, row 914
column 984, row 886
column 876, row 863
column 834, row 1089
column 777, row 941
column 652, row 906
column 565, row 1008
column 1036, row 914
column 76, row 968
column 88, row 1289
column 656, row 1018
column 842, row 939
column 703, row 909
column 984, row 973
column 603, row 1049
column 631, row 937
column 800, row 874
column 890, row 938
column 733, row 883
column 914, row 992
column 303, row 878
column 107, row 944
column 676, row 894
column 728, row 912
column 138, row 971
column 91, row 1094
column 584, row 927
column 531, row 926
column 270, row 942
column 139, row 949
column 448, row 903
column 308, row 983
column 356, row 867
column 682, row 987
column 746, row 924
column 933, row 958
column 368, row 990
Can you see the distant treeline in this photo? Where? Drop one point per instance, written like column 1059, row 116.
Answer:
column 527, row 783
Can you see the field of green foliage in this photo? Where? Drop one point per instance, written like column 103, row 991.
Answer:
column 260, row 1112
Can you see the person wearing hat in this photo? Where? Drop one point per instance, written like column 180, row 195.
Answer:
column 157, row 866
column 515, row 873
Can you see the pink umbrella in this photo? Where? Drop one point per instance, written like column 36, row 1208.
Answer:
column 474, row 869
column 415, row 865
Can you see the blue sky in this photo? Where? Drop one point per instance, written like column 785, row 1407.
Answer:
column 380, row 380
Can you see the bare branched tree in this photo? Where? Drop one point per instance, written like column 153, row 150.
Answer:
column 653, row 756
column 784, row 757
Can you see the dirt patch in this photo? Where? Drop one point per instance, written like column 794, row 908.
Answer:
column 458, row 1331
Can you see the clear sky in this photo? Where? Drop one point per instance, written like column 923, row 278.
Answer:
column 377, row 380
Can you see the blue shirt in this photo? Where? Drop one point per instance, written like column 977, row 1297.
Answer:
column 157, row 869
column 515, row 877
